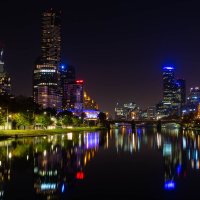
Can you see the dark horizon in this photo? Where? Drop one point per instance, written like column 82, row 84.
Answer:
column 117, row 48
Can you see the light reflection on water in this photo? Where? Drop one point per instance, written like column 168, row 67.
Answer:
column 53, row 166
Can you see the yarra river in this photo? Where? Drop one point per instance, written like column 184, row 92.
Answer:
column 116, row 164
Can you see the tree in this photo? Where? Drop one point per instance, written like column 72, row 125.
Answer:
column 20, row 120
column 83, row 116
column 102, row 118
column 2, row 119
column 67, row 120
column 76, row 121
column 43, row 120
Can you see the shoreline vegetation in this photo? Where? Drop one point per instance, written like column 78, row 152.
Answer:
column 6, row 134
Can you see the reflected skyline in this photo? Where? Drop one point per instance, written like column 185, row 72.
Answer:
column 54, row 166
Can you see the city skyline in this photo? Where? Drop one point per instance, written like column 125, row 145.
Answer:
column 119, row 49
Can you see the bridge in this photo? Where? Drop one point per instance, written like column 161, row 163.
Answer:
column 134, row 123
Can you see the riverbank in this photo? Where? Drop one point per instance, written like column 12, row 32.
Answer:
column 4, row 134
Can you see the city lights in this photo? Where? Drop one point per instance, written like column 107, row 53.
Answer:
column 101, row 108
column 169, row 185
column 48, row 186
column 80, row 175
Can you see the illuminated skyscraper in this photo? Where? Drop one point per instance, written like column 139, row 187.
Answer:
column 89, row 103
column 5, row 83
column 169, row 87
column 67, row 79
column 193, row 101
column 174, row 93
column 73, row 97
column 181, row 91
column 51, row 37
column 194, row 96
column 46, row 90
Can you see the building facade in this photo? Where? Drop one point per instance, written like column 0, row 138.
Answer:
column 192, row 102
column 89, row 103
column 67, row 80
column 169, row 87
column 46, row 87
column 151, row 112
column 5, row 80
column 174, row 92
column 181, row 91
column 74, row 98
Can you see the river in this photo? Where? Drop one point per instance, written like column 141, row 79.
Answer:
column 116, row 164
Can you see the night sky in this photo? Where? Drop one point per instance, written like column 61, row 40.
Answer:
column 117, row 47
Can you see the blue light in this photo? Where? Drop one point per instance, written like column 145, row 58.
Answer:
column 167, row 149
column 63, row 188
column 196, row 155
column 168, row 68
column 178, row 169
column 184, row 143
column 62, row 67
column 169, row 185
column 139, row 131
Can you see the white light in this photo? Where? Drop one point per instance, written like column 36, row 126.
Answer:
column 69, row 136
column 47, row 186
column 47, row 70
column 10, row 155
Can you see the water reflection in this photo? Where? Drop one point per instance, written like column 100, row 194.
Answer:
column 57, row 162
column 180, row 150
column 51, row 167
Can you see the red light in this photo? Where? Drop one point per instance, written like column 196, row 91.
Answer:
column 80, row 175
column 79, row 81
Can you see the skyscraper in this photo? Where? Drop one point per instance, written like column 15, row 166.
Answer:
column 194, row 96
column 193, row 101
column 169, row 88
column 181, row 91
column 46, row 90
column 74, row 96
column 173, row 94
column 89, row 103
column 5, row 81
column 67, row 79
column 51, row 37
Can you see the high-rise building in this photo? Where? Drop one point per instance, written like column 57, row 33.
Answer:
column 194, row 96
column 46, row 87
column 167, row 105
column 151, row 112
column 74, row 96
column 169, row 87
column 119, row 112
column 131, row 111
column 173, row 94
column 89, row 103
column 5, row 81
column 180, row 91
column 67, row 77
column 51, row 37
column 193, row 101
